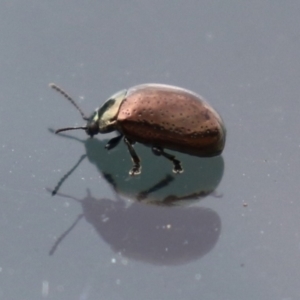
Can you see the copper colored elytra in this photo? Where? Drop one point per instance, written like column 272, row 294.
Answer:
column 159, row 116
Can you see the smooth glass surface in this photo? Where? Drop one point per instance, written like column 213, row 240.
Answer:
column 234, row 231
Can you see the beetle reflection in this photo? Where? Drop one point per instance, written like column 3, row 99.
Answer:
column 200, row 179
column 155, row 234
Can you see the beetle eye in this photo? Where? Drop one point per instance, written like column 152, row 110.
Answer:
column 92, row 128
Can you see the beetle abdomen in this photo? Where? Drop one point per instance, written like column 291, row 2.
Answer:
column 172, row 118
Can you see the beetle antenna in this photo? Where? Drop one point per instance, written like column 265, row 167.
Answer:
column 67, row 96
column 70, row 128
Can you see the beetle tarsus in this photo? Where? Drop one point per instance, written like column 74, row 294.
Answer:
column 177, row 168
column 136, row 169
column 177, row 164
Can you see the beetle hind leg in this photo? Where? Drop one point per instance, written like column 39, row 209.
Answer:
column 136, row 169
column 177, row 164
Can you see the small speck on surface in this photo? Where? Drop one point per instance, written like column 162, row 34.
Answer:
column 45, row 288
column 113, row 260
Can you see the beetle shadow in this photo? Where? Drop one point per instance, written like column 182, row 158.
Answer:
column 157, row 184
column 154, row 234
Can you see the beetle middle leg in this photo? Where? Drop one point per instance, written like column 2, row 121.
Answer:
column 177, row 164
column 136, row 169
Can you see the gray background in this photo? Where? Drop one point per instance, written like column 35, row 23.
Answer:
column 241, row 56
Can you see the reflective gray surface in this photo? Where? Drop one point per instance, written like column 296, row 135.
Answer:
column 236, row 234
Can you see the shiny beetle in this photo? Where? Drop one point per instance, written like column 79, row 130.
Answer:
column 159, row 116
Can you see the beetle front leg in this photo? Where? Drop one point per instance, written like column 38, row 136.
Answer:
column 136, row 169
column 112, row 143
column 177, row 164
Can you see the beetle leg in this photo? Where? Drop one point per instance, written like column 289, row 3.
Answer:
column 177, row 164
column 161, row 184
column 136, row 169
column 113, row 142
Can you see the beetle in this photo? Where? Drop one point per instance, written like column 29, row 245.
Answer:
column 159, row 116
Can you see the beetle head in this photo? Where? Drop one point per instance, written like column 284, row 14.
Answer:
column 92, row 125
column 103, row 120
